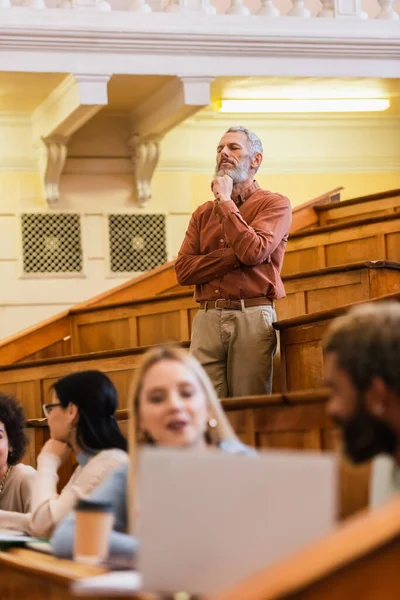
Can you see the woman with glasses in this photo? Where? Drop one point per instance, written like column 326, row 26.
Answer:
column 81, row 420
column 15, row 477
column 174, row 405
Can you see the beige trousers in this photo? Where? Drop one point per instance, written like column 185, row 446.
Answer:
column 236, row 348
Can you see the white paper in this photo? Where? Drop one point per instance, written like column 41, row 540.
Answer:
column 116, row 583
column 9, row 535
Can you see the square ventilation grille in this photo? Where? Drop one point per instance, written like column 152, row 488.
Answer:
column 137, row 242
column 51, row 243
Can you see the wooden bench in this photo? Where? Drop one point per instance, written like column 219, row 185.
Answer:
column 168, row 318
column 360, row 559
column 301, row 346
column 371, row 206
column 31, row 381
column 296, row 421
column 364, row 239
column 25, row 574
column 312, row 291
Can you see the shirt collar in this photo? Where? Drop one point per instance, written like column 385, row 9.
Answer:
column 249, row 191
column 84, row 456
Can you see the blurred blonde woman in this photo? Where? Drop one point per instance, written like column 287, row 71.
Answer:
column 174, row 405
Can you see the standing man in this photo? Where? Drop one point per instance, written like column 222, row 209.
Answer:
column 233, row 252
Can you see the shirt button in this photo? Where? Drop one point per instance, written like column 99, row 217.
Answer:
column 217, row 291
column 222, row 241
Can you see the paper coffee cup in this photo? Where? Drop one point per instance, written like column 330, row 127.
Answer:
column 94, row 521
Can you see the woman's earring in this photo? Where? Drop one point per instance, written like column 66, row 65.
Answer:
column 212, row 423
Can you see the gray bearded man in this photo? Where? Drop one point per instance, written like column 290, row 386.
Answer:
column 233, row 253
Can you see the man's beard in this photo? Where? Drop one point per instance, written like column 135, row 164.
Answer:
column 238, row 174
column 365, row 436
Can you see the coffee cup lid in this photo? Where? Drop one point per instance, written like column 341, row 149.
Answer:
column 94, row 506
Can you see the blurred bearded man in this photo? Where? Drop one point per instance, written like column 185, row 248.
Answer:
column 233, row 253
column 362, row 370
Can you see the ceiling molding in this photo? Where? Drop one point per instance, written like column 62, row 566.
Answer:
column 167, row 43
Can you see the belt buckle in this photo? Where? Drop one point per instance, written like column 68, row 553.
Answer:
column 216, row 303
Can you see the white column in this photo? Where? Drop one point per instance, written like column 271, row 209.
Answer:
column 298, row 9
column 268, row 9
column 34, row 4
column 328, row 9
column 85, row 5
column 140, row 6
column 191, row 6
column 237, row 7
column 387, row 11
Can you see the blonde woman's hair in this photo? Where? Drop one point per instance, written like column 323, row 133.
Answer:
column 222, row 431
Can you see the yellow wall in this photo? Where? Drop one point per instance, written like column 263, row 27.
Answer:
column 299, row 188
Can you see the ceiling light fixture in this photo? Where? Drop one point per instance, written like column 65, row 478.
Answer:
column 321, row 105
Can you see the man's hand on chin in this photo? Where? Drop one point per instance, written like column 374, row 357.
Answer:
column 222, row 188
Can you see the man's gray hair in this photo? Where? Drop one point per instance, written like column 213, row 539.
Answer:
column 255, row 144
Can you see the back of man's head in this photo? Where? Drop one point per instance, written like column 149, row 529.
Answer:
column 366, row 344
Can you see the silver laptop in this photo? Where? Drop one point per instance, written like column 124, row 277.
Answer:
column 207, row 520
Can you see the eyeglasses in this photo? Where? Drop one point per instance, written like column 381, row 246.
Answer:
column 47, row 408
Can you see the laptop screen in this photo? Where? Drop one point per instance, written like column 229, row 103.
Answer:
column 209, row 519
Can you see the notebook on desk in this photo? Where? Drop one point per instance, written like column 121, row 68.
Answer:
column 208, row 520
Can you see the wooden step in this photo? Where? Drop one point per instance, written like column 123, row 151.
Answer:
column 323, row 289
column 168, row 318
column 31, row 381
column 371, row 206
column 333, row 245
column 295, row 421
column 301, row 346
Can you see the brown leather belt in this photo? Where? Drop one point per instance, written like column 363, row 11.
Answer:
column 222, row 304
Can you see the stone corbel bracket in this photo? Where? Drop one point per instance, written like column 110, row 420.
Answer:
column 169, row 106
column 52, row 157
column 145, row 155
column 67, row 108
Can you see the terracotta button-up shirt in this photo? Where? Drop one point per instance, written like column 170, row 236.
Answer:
column 236, row 252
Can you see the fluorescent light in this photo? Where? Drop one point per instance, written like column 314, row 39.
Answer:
column 305, row 105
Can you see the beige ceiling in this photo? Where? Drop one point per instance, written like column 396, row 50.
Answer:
column 23, row 92
column 307, row 87
column 128, row 91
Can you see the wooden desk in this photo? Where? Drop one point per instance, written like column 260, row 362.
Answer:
column 25, row 574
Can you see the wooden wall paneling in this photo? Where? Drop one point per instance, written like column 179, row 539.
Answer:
column 133, row 332
column 294, row 304
column 27, row 392
column 302, row 352
column 111, row 334
column 44, row 334
column 393, row 245
column 61, row 348
column 123, row 381
column 346, row 243
column 301, row 346
column 301, row 259
column 384, row 281
column 355, row 249
column 159, row 328
column 184, row 324
column 344, row 212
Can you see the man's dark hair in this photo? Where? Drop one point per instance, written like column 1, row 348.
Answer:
column 366, row 342
column 13, row 418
